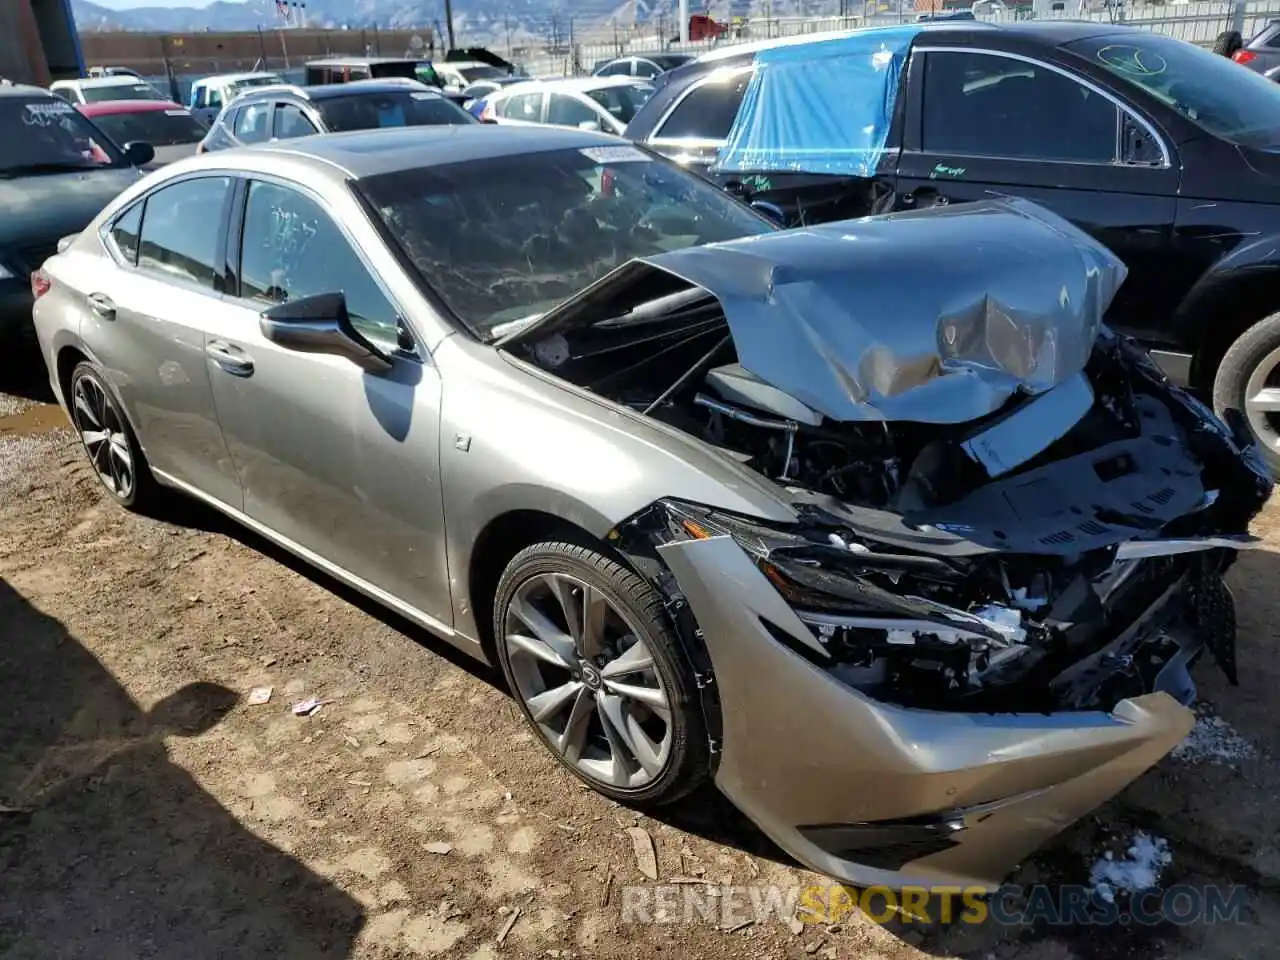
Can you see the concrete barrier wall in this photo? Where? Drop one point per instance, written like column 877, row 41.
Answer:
column 205, row 53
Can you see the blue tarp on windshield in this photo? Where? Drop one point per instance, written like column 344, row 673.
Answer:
column 821, row 107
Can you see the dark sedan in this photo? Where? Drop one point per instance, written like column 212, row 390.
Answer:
column 1164, row 152
column 57, row 172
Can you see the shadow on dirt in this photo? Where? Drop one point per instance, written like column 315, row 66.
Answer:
column 23, row 373
column 107, row 849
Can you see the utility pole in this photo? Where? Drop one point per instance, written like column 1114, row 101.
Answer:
column 448, row 21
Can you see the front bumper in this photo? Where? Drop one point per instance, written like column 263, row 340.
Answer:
column 918, row 797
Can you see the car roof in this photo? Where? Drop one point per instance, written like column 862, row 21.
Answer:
column 1050, row 32
column 106, row 107
column 571, row 84
column 25, row 90
column 328, row 91
column 370, row 153
column 359, row 61
column 118, row 80
column 222, row 78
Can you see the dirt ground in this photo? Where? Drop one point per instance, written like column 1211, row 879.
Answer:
column 147, row 809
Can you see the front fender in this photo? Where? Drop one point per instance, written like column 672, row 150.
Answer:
column 1256, row 261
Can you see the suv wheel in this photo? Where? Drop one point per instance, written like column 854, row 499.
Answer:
column 1249, row 380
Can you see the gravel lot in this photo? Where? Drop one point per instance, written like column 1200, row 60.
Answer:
column 148, row 810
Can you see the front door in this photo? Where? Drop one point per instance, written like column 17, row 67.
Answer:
column 340, row 461
column 145, row 325
column 982, row 124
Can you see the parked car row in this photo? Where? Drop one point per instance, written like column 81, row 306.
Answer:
column 576, row 401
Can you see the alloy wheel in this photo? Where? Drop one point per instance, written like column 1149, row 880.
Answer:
column 588, row 680
column 1262, row 401
column 105, row 438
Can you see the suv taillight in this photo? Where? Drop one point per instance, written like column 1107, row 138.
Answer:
column 1244, row 56
column 40, row 284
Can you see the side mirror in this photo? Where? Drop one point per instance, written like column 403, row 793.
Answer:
column 770, row 210
column 139, row 153
column 593, row 125
column 320, row 324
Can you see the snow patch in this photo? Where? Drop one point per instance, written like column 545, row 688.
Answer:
column 1213, row 740
column 1139, row 870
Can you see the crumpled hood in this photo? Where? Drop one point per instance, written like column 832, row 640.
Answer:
column 936, row 316
column 43, row 209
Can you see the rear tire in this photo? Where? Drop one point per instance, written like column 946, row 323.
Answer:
column 108, row 440
column 1248, row 379
column 1227, row 43
column 591, row 658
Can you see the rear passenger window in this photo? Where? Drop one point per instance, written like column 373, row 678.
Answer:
column 523, row 106
column 180, row 231
column 292, row 122
column 125, row 233
column 978, row 104
column 708, row 112
column 253, row 123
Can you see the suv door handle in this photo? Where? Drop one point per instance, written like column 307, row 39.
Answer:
column 230, row 358
column 102, row 305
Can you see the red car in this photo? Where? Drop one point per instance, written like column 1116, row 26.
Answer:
column 169, row 127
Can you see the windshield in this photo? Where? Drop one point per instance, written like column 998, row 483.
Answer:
column 1217, row 94
column 402, row 108
column 49, row 135
column 622, row 102
column 120, row 91
column 160, row 128
column 504, row 238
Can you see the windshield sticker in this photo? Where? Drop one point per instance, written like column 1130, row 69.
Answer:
column 614, row 155
column 1131, row 60
column 424, row 95
column 177, row 113
column 42, row 114
column 942, row 170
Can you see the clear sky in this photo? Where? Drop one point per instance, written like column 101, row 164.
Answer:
column 130, row 4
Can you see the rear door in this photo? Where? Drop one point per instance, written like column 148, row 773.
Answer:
column 987, row 123
column 145, row 323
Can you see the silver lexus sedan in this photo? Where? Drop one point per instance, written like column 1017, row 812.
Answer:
column 874, row 523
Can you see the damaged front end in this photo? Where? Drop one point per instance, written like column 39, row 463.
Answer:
column 1010, row 539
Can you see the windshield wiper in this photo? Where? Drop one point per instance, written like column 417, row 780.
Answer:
column 24, row 169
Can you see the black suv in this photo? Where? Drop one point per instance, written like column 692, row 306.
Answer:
column 262, row 114
column 1164, row 152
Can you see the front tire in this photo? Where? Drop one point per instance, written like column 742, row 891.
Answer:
column 108, row 440
column 589, row 654
column 1248, row 379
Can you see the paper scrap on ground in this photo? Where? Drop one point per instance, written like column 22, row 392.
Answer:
column 1139, row 870
column 305, row 708
column 259, row 696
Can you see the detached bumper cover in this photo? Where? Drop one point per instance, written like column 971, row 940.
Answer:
column 918, row 797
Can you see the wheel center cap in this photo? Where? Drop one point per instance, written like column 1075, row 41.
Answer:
column 590, row 676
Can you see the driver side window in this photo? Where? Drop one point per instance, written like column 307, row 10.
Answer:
column 292, row 249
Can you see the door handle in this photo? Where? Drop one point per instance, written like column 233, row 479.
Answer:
column 230, row 358
column 102, row 305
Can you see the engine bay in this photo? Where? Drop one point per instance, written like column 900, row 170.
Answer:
column 985, row 565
